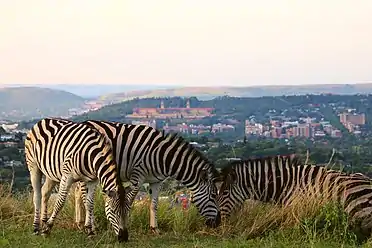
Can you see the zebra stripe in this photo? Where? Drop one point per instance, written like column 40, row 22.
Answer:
column 145, row 154
column 276, row 179
column 67, row 152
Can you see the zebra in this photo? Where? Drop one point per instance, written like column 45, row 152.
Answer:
column 145, row 154
column 66, row 152
column 276, row 179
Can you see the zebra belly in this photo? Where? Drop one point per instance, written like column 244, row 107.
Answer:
column 125, row 176
column 56, row 176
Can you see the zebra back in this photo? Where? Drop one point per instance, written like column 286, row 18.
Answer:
column 279, row 178
column 165, row 154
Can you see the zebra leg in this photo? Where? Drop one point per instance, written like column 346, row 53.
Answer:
column 80, row 199
column 136, row 180
column 64, row 187
column 46, row 191
column 89, row 207
column 131, row 192
column 35, row 176
column 154, row 192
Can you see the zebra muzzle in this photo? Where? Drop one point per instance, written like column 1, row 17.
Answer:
column 123, row 235
column 213, row 223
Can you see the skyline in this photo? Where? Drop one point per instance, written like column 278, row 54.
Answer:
column 92, row 91
column 209, row 43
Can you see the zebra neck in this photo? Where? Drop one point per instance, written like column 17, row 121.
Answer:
column 107, row 177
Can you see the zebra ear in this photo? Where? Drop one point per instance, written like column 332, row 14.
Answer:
column 231, row 177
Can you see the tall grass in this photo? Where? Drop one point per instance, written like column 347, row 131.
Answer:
column 307, row 219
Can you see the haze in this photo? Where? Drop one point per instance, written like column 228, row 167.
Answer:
column 193, row 43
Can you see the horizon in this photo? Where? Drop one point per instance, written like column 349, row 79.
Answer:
column 96, row 90
column 4, row 85
column 193, row 43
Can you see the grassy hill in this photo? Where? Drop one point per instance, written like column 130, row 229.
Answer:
column 206, row 93
column 22, row 103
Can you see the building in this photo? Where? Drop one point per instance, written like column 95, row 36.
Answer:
column 254, row 128
column 219, row 127
column 172, row 113
column 179, row 128
column 355, row 119
column 147, row 123
column 9, row 127
column 289, row 123
column 336, row 133
column 7, row 137
column 275, row 123
column 199, row 129
column 319, row 133
column 308, row 120
column 302, row 130
column 328, row 128
column 276, row 132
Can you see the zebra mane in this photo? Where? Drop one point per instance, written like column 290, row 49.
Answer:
column 171, row 137
column 290, row 159
column 59, row 119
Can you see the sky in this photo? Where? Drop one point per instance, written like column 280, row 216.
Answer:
column 185, row 42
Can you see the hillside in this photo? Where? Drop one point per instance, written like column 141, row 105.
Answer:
column 22, row 103
column 238, row 108
column 207, row 93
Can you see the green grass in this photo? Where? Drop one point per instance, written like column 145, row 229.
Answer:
column 305, row 223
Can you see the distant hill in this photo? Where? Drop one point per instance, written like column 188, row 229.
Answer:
column 23, row 103
column 207, row 93
column 90, row 90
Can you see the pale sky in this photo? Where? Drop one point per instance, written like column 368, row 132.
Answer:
column 186, row 42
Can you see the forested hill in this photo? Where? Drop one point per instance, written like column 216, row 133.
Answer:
column 237, row 107
column 23, row 103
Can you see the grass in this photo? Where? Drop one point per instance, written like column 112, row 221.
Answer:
column 307, row 222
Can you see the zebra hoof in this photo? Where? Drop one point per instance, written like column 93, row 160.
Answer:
column 36, row 232
column 88, row 230
column 155, row 230
column 91, row 234
column 45, row 232
column 79, row 225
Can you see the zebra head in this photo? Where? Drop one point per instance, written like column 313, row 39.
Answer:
column 172, row 156
column 229, row 194
column 242, row 180
column 115, row 205
column 205, row 197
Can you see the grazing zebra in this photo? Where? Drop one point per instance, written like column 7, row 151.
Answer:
column 67, row 152
column 145, row 154
column 277, row 178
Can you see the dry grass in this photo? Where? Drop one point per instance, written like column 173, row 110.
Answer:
column 307, row 220
column 255, row 218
